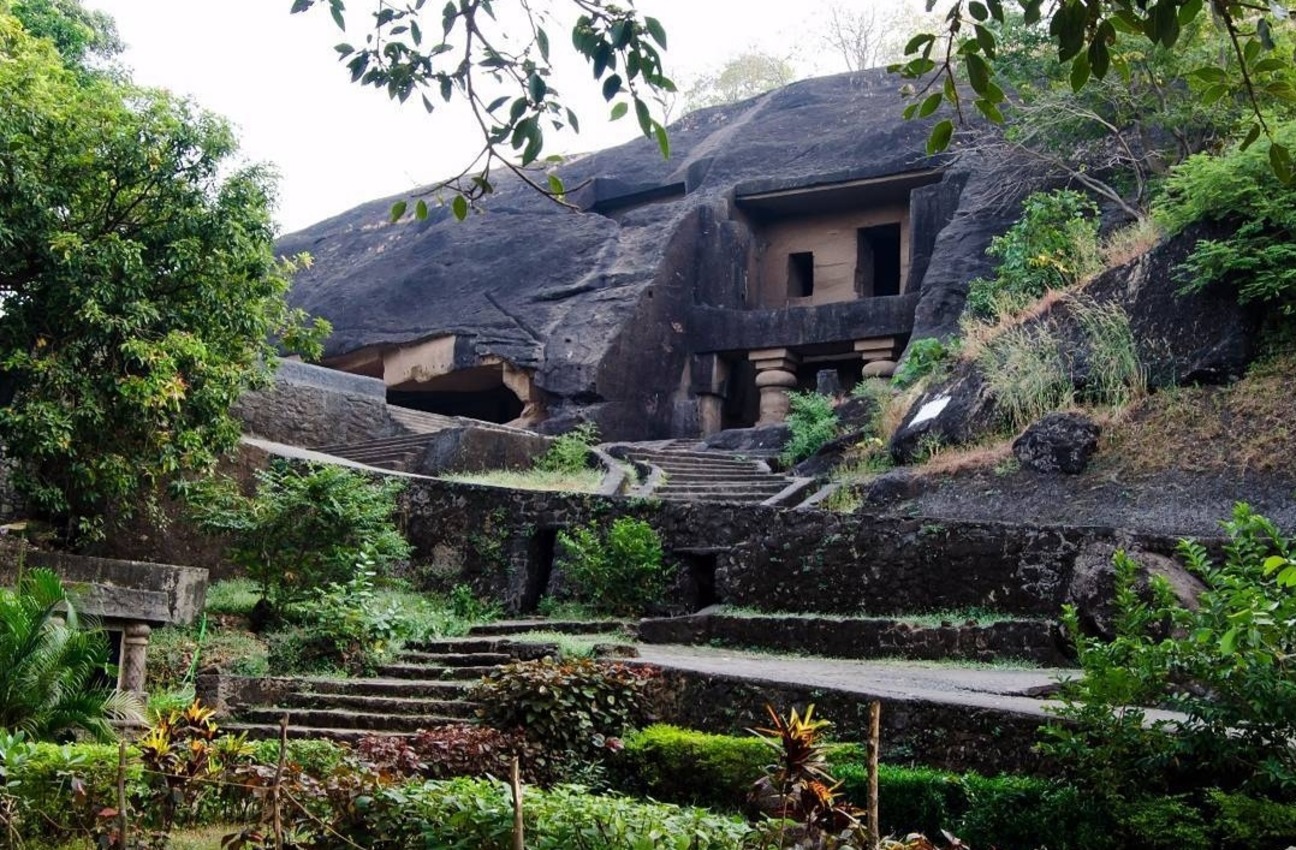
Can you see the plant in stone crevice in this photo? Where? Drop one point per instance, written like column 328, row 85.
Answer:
column 619, row 569
column 922, row 358
column 570, row 452
column 813, row 423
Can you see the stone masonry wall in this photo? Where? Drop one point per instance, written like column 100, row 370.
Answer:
column 313, row 406
column 767, row 559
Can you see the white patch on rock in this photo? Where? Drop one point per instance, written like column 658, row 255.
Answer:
column 930, row 410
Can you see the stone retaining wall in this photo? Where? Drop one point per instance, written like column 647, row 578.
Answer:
column 314, row 406
column 1035, row 641
column 767, row 559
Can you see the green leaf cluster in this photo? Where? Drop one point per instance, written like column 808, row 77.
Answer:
column 570, row 706
column 306, row 526
column 1051, row 246
column 922, row 358
column 570, row 452
column 1226, row 666
column 54, row 667
column 1237, row 190
column 813, row 422
column 617, row 570
column 140, row 288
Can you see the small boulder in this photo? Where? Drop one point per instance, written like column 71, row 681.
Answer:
column 1092, row 589
column 955, row 412
column 1060, row 442
column 879, row 369
column 766, row 439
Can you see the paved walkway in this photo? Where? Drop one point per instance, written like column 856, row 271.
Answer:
column 1001, row 689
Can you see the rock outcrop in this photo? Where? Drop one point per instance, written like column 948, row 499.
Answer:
column 619, row 313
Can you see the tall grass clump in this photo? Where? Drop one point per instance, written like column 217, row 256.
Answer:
column 1027, row 369
column 1116, row 374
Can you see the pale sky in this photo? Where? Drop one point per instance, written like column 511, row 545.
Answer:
column 337, row 145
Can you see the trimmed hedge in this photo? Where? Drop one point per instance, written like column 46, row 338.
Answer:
column 1007, row 812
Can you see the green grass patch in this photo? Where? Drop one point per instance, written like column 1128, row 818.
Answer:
column 233, row 596
column 562, row 481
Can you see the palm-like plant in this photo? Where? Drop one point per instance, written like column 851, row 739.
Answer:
column 49, row 664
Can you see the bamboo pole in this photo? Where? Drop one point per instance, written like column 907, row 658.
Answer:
column 875, row 740
column 515, row 780
column 276, row 813
column 122, row 823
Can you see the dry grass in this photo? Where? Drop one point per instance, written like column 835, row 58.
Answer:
column 1246, row 427
column 1133, row 240
column 975, row 458
column 977, row 334
column 585, row 481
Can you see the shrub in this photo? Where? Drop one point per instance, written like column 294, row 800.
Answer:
column 922, row 358
column 52, row 665
column 1218, row 664
column 570, row 452
column 1052, row 246
column 348, row 626
column 813, row 423
column 683, row 766
column 315, row 757
column 568, row 707
column 445, row 752
column 236, row 596
column 307, row 526
column 174, row 651
column 617, row 572
column 478, row 814
column 1237, row 189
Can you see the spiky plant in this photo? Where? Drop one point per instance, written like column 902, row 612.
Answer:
column 51, row 663
column 804, row 790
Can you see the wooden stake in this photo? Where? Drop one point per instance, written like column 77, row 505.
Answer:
column 275, row 813
column 122, row 823
column 515, row 779
column 875, row 741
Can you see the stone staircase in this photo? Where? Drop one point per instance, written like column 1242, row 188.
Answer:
column 426, row 685
column 686, row 474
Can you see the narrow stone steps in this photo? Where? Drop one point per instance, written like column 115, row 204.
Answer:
column 265, row 731
column 736, row 498
column 424, row 672
column 381, row 704
column 340, row 718
column 432, row 689
column 447, row 659
column 569, row 627
column 480, row 644
column 403, row 441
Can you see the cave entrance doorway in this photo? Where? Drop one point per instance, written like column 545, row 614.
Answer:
column 878, row 263
column 742, row 399
column 699, row 578
column 541, row 551
column 476, row 393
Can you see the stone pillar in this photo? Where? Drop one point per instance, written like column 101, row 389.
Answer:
column 134, row 657
column 708, row 378
column 775, row 377
column 878, row 355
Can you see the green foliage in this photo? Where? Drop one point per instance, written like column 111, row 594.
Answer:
column 347, row 626
column 317, row 757
column 1009, row 812
column 1052, row 245
column 1225, row 666
column 173, row 651
column 460, row 814
column 140, row 285
column 923, row 357
column 570, row 453
column 1028, row 371
column 568, row 707
column 466, row 605
column 813, row 422
column 53, row 668
column 307, row 525
column 1115, row 375
column 1094, row 39
column 1237, row 189
column 236, row 596
column 620, row 571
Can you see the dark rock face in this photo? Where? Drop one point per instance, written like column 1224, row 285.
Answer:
column 1060, row 442
column 957, row 411
column 1093, row 584
column 480, row 449
column 605, row 308
column 767, row 439
column 1180, row 338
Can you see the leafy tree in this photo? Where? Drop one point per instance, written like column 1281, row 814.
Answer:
column 80, row 35
column 744, row 76
column 139, row 285
column 306, row 526
column 51, row 665
column 1089, row 36
column 465, row 52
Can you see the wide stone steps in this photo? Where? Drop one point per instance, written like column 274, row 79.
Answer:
column 341, row 718
column 261, row 731
column 569, row 627
column 385, row 704
column 402, row 670
column 431, row 689
column 686, row 474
